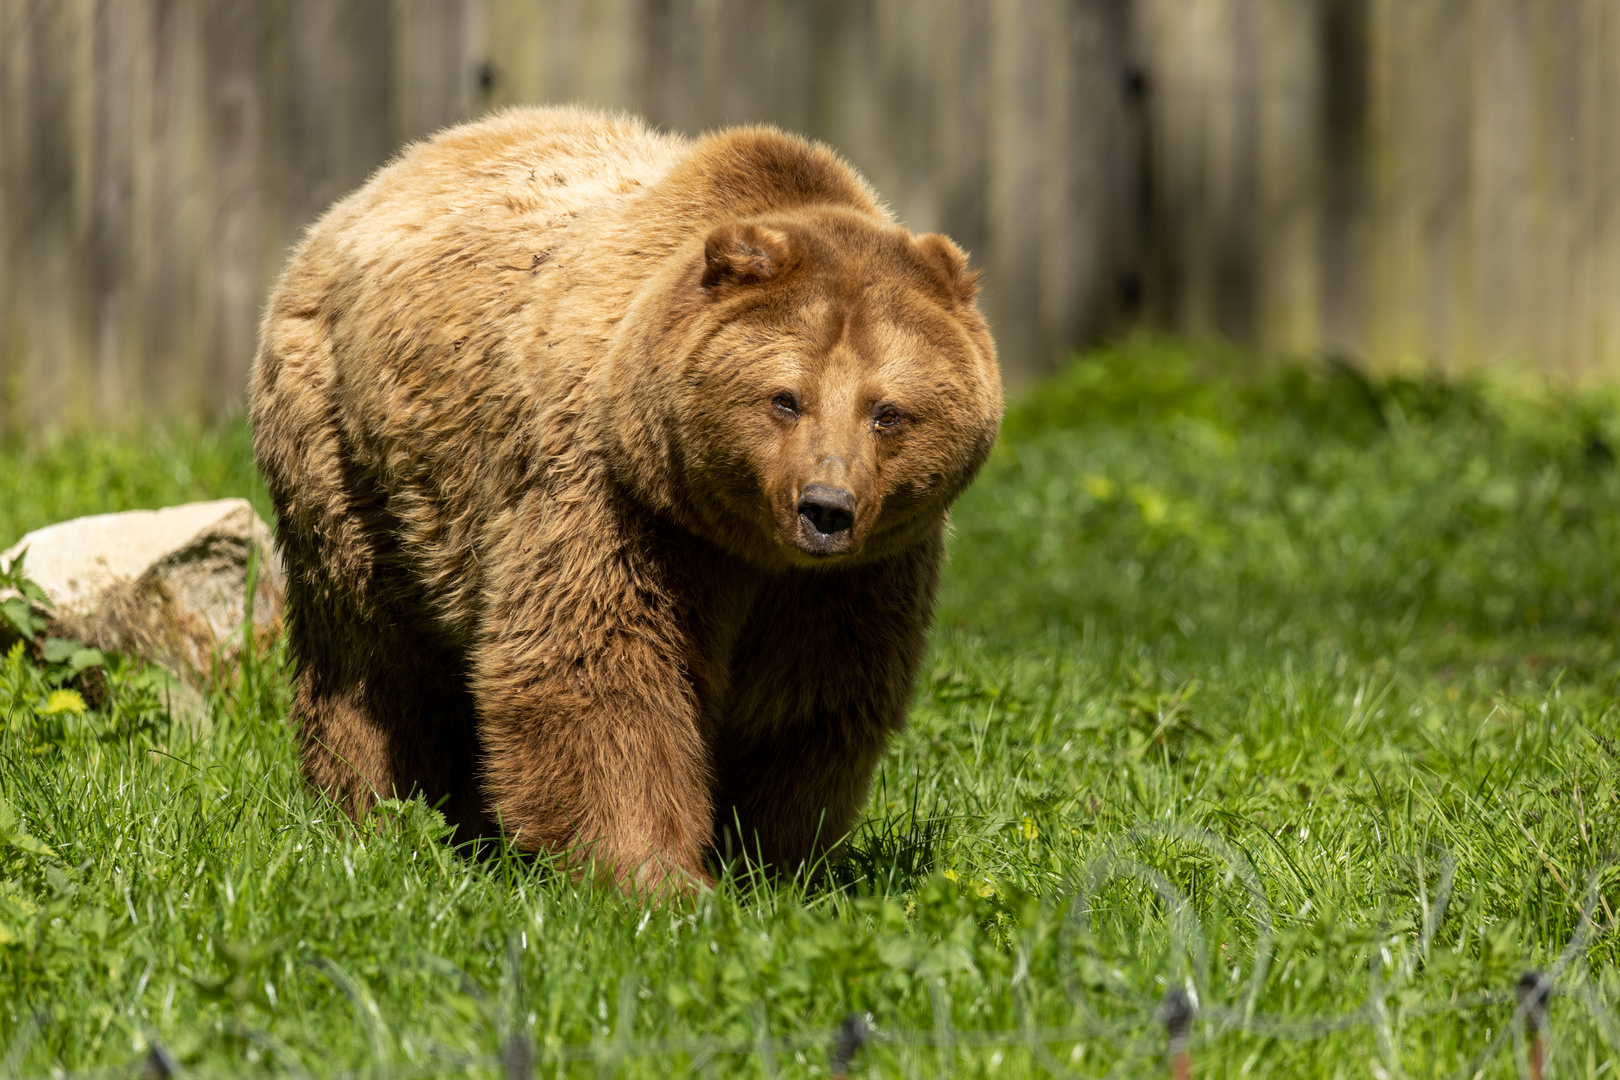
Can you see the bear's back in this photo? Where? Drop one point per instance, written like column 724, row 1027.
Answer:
column 436, row 271
column 543, row 165
column 456, row 228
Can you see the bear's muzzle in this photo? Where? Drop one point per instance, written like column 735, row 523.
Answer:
column 827, row 519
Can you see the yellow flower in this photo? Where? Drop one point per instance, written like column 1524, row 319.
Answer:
column 63, row 701
column 1027, row 829
column 982, row 887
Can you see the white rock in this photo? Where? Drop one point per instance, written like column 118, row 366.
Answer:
column 167, row 585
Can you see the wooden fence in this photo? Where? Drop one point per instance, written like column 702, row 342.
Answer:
column 1407, row 182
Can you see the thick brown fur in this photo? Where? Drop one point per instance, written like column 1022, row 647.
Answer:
column 537, row 406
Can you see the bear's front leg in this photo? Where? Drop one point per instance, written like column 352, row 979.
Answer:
column 596, row 756
column 822, row 680
column 588, row 725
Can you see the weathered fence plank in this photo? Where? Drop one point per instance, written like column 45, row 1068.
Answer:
column 1416, row 183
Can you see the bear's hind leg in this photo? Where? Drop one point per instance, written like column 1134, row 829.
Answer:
column 380, row 711
column 391, row 720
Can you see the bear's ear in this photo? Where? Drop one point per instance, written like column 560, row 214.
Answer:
column 745, row 254
column 951, row 264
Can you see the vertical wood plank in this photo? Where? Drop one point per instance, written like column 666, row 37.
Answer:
column 1189, row 107
column 1233, row 151
column 1561, row 248
column 514, row 49
column 1345, row 62
column 1288, row 181
column 788, row 98
column 606, row 58
column 1089, row 244
column 232, row 31
column 900, row 123
column 1018, row 33
column 311, row 66
column 165, row 172
column 110, row 164
column 45, row 301
column 739, row 62
column 671, row 62
column 430, row 49
column 962, row 118
column 368, row 69
column 1439, row 184
column 1380, row 334
column 14, row 186
column 1600, row 165
column 1501, row 123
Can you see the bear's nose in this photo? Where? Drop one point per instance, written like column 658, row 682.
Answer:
column 827, row 510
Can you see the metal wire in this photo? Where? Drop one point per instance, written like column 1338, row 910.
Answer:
column 1185, row 1021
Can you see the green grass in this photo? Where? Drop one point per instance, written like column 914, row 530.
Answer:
column 62, row 477
column 1308, row 681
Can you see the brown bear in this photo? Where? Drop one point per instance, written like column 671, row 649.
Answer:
column 612, row 470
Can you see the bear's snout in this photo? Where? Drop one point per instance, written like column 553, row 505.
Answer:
column 828, row 517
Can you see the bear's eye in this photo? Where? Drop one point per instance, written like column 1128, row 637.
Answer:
column 786, row 403
column 886, row 418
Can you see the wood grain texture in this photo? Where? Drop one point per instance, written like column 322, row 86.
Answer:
column 1419, row 185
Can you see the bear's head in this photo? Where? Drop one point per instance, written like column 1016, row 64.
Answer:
column 806, row 388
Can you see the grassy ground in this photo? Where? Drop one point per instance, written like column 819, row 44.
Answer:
column 1297, row 691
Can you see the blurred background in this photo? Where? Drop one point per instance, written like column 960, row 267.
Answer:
column 1407, row 184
